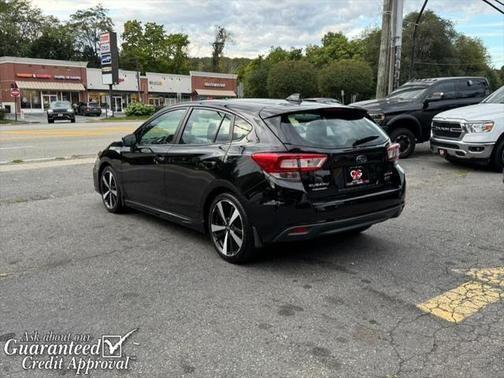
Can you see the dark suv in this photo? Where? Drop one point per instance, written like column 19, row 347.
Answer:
column 406, row 114
column 89, row 109
column 250, row 172
column 59, row 111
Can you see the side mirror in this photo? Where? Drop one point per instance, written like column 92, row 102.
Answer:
column 129, row 140
column 436, row 96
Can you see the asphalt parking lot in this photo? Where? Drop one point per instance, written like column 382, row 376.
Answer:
column 336, row 306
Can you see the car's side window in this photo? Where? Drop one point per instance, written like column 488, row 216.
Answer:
column 447, row 88
column 202, row 126
column 224, row 133
column 241, row 129
column 163, row 128
column 471, row 88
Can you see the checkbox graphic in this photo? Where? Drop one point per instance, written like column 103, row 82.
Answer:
column 112, row 345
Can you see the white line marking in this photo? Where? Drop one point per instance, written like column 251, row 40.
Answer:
column 14, row 147
column 45, row 164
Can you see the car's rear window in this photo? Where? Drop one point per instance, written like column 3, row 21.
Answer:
column 327, row 129
column 93, row 105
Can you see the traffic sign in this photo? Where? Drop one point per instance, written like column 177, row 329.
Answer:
column 15, row 92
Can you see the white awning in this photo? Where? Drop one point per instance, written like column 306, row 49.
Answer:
column 215, row 93
column 50, row 85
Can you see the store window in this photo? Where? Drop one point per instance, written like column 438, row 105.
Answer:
column 185, row 97
column 30, row 99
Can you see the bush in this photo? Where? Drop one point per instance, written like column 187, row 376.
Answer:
column 292, row 76
column 138, row 109
column 2, row 113
column 355, row 77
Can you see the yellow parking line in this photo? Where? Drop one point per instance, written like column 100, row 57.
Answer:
column 457, row 304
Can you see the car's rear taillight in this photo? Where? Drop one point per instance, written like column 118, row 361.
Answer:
column 288, row 166
column 393, row 152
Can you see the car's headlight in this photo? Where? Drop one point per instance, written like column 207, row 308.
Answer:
column 479, row 126
column 377, row 117
column 70, row 110
column 49, row 110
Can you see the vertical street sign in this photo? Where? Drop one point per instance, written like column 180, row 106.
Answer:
column 109, row 59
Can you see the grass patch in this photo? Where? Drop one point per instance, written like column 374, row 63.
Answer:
column 17, row 161
column 127, row 118
column 9, row 122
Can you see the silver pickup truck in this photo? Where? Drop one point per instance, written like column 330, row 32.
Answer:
column 474, row 132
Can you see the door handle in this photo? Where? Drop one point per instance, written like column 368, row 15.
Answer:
column 159, row 159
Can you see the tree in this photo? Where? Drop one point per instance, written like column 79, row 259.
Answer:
column 255, row 77
column 292, row 76
column 355, row 77
column 88, row 25
column 20, row 24
column 221, row 37
column 55, row 42
column 150, row 49
column 335, row 46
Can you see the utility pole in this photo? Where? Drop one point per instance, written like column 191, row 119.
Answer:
column 395, row 53
column 390, row 48
column 383, row 63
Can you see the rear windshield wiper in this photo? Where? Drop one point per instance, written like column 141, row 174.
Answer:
column 365, row 140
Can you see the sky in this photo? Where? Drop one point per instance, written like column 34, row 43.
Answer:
column 256, row 25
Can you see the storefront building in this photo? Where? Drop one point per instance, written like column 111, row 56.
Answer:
column 168, row 89
column 40, row 81
column 128, row 90
column 211, row 85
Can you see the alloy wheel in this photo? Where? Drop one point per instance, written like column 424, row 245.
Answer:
column 404, row 142
column 226, row 227
column 109, row 190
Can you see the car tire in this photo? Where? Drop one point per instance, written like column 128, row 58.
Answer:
column 498, row 156
column 230, row 230
column 406, row 139
column 50, row 121
column 72, row 120
column 110, row 190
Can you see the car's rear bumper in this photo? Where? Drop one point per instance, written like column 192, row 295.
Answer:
column 462, row 150
column 299, row 219
column 309, row 231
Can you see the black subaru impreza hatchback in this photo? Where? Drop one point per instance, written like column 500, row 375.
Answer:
column 256, row 171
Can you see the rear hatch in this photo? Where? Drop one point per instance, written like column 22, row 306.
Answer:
column 355, row 148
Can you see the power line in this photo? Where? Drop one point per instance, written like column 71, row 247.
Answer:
column 450, row 64
column 493, row 6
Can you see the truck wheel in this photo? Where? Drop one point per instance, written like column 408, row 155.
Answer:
column 406, row 139
column 498, row 157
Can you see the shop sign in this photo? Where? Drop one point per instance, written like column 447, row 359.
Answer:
column 63, row 77
column 26, row 75
column 34, row 76
column 106, row 59
column 152, row 82
column 105, row 48
column 109, row 58
column 104, row 38
column 219, row 85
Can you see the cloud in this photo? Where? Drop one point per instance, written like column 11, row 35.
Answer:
column 257, row 25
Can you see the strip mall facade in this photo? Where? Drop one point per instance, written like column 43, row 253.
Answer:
column 42, row 81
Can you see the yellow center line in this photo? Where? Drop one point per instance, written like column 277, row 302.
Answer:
column 456, row 305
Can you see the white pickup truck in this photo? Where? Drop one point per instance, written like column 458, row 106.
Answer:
column 474, row 132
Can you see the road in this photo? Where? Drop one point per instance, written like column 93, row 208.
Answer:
column 60, row 140
column 336, row 306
